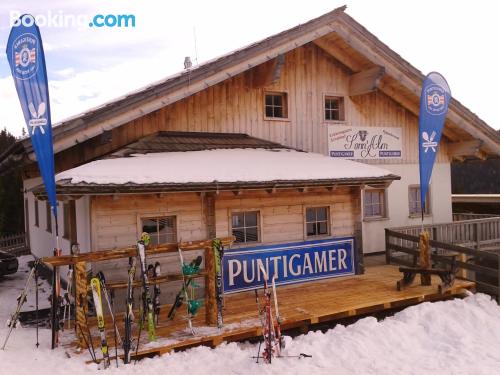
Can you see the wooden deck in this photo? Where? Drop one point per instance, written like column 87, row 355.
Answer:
column 301, row 306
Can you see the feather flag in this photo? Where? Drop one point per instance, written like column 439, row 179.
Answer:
column 434, row 101
column 27, row 63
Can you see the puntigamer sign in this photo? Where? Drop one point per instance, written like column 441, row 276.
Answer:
column 349, row 142
column 289, row 263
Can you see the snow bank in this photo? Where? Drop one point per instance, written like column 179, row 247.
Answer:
column 454, row 337
column 234, row 165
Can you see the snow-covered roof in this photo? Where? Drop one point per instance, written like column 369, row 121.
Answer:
column 222, row 167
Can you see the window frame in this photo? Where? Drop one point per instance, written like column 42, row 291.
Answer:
column 285, row 107
column 37, row 213
column 328, row 222
column 259, row 226
column 342, row 108
column 66, row 221
column 175, row 217
column 48, row 217
column 385, row 210
column 428, row 206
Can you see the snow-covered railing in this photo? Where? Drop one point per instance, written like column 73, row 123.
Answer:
column 482, row 267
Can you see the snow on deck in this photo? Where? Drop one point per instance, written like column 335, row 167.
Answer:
column 221, row 165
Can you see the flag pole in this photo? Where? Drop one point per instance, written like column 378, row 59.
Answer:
column 56, row 287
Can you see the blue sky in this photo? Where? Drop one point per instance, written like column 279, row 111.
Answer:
column 88, row 66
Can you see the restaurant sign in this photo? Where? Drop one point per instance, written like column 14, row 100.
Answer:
column 350, row 142
column 289, row 263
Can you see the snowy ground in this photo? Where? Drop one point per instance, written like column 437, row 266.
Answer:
column 454, row 337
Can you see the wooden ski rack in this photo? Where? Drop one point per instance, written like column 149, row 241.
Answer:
column 79, row 262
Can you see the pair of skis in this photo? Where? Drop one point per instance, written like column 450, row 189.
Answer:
column 150, row 308
column 98, row 288
column 271, row 330
column 180, row 298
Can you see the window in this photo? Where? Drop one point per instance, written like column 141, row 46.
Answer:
column 245, row 226
column 317, row 219
column 374, row 203
column 66, row 221
column 276, row 105
column 49, row 217
column 414, row 201
column 161, row 229
column 37, row 220
column 334, row 108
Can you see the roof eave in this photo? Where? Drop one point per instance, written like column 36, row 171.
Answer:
column 66, row 188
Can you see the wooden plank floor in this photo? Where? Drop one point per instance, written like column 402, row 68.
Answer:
column 300, row 306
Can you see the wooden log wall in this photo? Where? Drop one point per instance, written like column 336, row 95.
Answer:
column 282, row 214
column 237, row 106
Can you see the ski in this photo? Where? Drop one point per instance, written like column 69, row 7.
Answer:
column 191, row 304
column 271, row 348
column 95, row 286
column 148, row 310
column 104, row 290
column 68, row 299
column 20, row 302
column 129, row 313
column 279, row 337
column 179, row 298
column 156, row 292
column 218, row 254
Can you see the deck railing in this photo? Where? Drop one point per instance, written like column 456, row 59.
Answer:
column 459, row 216
column 478, row 233
column 482, row 267
column 15, row 244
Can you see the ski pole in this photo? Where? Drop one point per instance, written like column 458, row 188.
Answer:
column 92, row 354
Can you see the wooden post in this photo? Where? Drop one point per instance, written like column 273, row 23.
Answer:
column 387, row 249
column 81, row 308
column 210, row 302
column 210, row 298
column 425, row 257
column 358, row 243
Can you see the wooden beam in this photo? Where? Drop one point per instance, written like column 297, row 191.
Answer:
column 338, row 53
column 271, row 191
column 365, row 81
column 267, row 73
column 411, row 105
column 464, row 148
column 103, row 255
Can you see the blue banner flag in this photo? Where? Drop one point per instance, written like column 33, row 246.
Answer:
column 27, row 64
column 434, row 101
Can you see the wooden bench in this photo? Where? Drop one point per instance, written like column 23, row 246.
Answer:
column 447, row 275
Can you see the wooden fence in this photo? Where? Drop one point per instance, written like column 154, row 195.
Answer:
column 15, row 244
column 482, row 267
column 477, row 233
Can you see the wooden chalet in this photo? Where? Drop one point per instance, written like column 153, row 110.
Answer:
column 253, row 145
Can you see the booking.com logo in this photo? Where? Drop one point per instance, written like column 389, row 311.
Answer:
column 61, row 19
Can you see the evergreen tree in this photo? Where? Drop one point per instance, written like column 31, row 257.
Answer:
column 11, row 195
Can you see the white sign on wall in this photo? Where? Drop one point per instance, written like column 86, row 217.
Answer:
column 351, row 142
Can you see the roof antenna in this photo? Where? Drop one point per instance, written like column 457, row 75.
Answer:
column 195, row 46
